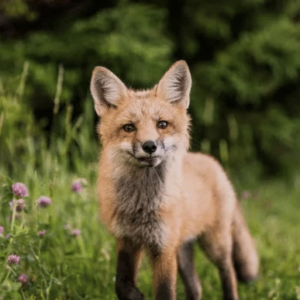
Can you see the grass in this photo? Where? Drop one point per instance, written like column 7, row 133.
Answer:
column 60, row 265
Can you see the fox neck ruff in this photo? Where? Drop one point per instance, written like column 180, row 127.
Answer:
column 140, row 194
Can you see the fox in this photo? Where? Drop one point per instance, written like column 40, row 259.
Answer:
column 158, row 198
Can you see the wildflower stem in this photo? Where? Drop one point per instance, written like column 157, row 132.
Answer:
column 81, row 245
column 13, row 216
column 20, row 89
column 22, row 294
column 40, row 245
column 22, row 219
column 12, row 225
column 7, row 275
column 59, row 86
column 9, row 270
column 42, row 272
column 48, row 290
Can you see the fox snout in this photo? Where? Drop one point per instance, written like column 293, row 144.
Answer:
column 149, row 147
column 149, row 153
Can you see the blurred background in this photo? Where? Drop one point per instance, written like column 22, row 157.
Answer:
column 244, row 58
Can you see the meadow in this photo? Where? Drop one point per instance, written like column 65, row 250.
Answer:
column 62, row 251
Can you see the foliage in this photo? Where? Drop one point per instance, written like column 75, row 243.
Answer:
column 22, row 141
column 109, row 38
column 243, row 57
column 251, row 75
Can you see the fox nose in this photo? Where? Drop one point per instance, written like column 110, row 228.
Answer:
column 149, row 147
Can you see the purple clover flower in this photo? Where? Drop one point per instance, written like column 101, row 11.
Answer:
column 22, row 279
column 20, row 204
column 1, row 230
column 43, row 201
column 41, row 233
column 13, row 259
column 20, row 190
column 76, row 186
column 7, row 236
column 75, row 232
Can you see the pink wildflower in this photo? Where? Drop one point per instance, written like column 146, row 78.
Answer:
column 20, row 204
column 43, row 201
column 1, row 230
column 20, row 190
column 75, row 232
column 13, row 259
column 41, row 233
column 76, row 186
column 22, row 279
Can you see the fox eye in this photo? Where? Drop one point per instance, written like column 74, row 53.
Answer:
column 129, row 127
column 162, row 124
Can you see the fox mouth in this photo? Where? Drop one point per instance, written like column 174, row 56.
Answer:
column 151, row 161
column 147, row 161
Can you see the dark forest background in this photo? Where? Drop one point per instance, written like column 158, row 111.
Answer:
column 244, row 57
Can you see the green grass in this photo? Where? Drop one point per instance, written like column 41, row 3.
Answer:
column 61, row 266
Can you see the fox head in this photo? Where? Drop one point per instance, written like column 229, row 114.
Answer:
column 143, row 128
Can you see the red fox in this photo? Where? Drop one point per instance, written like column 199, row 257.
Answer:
column 157, row 197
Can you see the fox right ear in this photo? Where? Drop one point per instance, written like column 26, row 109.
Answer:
column 107, row 89
column 175, row 86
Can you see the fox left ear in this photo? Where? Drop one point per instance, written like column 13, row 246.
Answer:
column 175, row 86
column 107, row 90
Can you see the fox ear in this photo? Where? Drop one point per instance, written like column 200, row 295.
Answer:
column 175, row 86
column 107, row 89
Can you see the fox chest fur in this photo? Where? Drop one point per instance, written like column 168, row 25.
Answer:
column 139, row 196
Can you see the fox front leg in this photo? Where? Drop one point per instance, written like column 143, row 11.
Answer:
column 165, row 274
column 127, row 269
column 187, row 271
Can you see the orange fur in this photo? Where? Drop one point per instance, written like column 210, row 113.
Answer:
column 192, row 196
